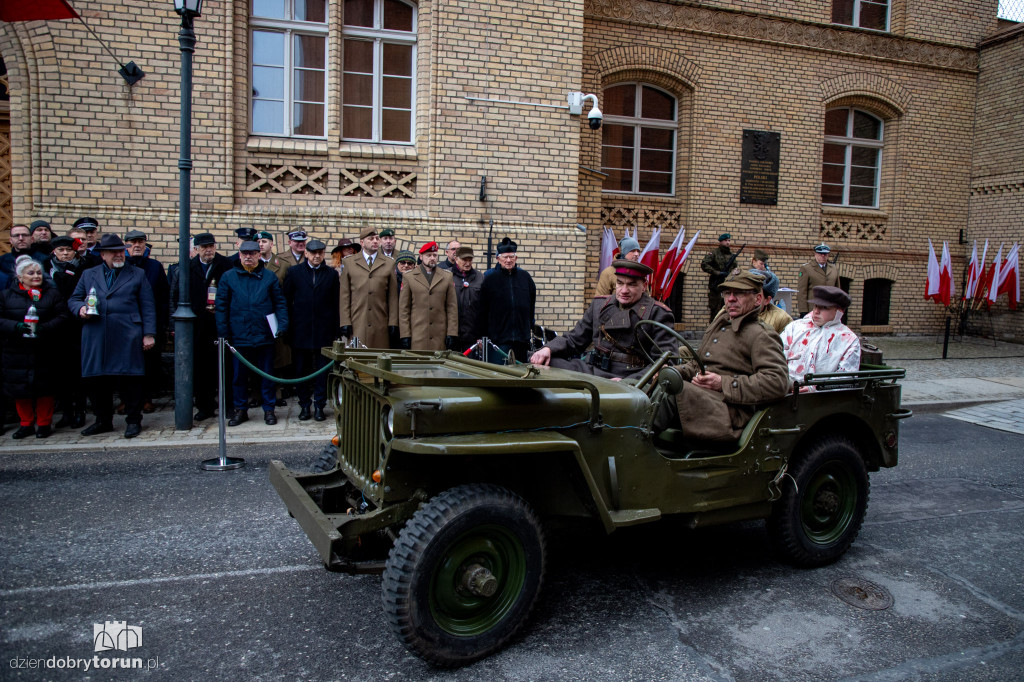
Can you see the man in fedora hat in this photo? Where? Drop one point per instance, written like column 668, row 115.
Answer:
column 629, row 249
column 819, row 343
column 428, row 311
column 609, row 326
column 508, row 301
column 115, row 338
column 744, row 366
column 818, row 272
column 716, row 263
column 368, row 300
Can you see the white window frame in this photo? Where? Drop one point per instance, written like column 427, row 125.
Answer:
column 379, row 36
column 638, row 124
column 856, row 15
column 848, row 142
column 290, row 29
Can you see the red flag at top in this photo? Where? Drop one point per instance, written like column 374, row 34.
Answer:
column 37, row 10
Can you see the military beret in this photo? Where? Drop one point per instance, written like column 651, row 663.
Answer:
column 248, row 247
column 829, row 297
column 367, row 231
column 744, row 280
column 86, row 224
column 629, row 268
column 725, row 235
column 36, row 224
column 405, row 257
column 204, row 239
column 134, row 234
column 822, row 248
column 506, row 245
column 464, row 252
column 298, row 235
column 387, row 232
column 428, row 247
column 263, row 234
column 315, row 245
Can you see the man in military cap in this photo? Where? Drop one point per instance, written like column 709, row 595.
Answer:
column 717, row 263
column 759, row 261
column 387, row 242
column 283, row 366
column 508, row 301
column 311, row 290
column 368, row 301
column 820, row 343
column 629, row 249
column 91, row 228
column 296, row 248
column 270, row 260
column 818, row 272
column 428, row 312
column 619, row 349
column 468, row 282
column 744, row 366
column 405, row 262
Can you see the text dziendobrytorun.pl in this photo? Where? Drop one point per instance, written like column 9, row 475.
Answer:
column 84, row 664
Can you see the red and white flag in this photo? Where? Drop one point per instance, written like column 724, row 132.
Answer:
column 649, row 256
column 1009, row 277
column 680, row 260
column 931, row 289
column 608, row 246
column 992, row 278
column 946, row 286
column 975, row 272
column 664, row 273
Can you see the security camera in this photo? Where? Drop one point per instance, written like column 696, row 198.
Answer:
column 595, row 118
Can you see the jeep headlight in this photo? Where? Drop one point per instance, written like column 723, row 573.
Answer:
column 387, row 422
column 339, row 394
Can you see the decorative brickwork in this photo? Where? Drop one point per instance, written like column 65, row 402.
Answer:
column 846, row 229
column 646, row 218
column 377, row 183
column 287, row 179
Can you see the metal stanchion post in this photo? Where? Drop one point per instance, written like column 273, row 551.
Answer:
column 222, row 463
column 485, row 344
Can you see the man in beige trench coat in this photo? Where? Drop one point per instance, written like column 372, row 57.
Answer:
column 368, row 301
column 428, row 316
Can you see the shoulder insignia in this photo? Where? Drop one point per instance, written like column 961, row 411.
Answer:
column 662, row 305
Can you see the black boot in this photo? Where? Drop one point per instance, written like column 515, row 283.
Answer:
column 304, row 414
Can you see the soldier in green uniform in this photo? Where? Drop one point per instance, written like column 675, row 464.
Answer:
column 619, row 349
column 716, row 264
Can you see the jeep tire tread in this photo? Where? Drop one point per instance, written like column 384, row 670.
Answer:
column 822, row 508
column 326, row 460
column 464, row 574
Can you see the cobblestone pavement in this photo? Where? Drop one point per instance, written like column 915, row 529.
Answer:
column 1005, row 416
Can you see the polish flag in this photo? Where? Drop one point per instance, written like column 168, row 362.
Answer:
column 931, row 289
column 664, row 272
column 667, row 289
column 608, row 246
column 649, row 256
column 993, row 277
column 972, row 273
column 1009, row 277
column 946, row 286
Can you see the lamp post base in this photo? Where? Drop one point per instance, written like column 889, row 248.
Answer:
column 222, row 464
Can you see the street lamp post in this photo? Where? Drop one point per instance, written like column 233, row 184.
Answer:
column 184, row 318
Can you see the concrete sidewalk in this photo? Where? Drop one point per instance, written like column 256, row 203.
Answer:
column 976, row 371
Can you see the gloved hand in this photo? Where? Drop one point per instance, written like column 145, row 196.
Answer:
column 406, row 342
column 21, row 328
column 345, row 330
column 449, row 341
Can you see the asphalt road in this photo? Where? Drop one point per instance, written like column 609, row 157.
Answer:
column 225, row 585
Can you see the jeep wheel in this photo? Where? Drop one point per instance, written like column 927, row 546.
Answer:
column 464, row 574
column 821, row 510
column 326, row 460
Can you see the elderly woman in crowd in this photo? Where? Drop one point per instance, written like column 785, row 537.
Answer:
column 29, row 355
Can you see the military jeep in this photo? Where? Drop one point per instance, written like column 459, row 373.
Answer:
column 447, row 471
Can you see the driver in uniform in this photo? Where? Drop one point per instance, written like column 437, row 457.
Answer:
column 620, row 350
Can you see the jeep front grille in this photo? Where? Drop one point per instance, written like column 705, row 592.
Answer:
column 359, row 430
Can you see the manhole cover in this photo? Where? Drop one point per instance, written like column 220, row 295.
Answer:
column 862, row 594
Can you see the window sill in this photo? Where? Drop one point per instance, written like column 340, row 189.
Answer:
column 876, row 329
column 368, row 150
column 287, row 145
column 850, row 211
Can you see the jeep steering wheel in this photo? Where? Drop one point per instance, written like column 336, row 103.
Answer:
column 678, row 336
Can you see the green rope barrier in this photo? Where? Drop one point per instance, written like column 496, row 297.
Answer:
column 278, row 380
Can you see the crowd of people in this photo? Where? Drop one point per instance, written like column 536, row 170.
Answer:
column 106, row 300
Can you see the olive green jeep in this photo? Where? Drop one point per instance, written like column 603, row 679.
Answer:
column 446, row 471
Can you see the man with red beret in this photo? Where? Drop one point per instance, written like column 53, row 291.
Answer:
column 428, row 315
column 619, row 349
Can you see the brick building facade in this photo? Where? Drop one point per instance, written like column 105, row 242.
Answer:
column 453, row 120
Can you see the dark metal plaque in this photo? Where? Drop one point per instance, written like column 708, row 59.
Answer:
column 759, row 174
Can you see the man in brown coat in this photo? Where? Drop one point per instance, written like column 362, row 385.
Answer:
column 368, row 301
column 428, row 317
column 819, row 273
column 296, row 252
column 744, row 366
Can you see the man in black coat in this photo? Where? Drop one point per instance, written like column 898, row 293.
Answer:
column 508, row 299
column 66, row 268
column 468, row 282
column 138, row 255
column 311, row 289
column 205, row 270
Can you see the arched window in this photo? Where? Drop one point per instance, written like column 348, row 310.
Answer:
column 638, row 148
column 851, row 159
column 289, row 67
column 379, row 56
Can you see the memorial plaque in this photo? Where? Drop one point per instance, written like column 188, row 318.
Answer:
column 759, row 174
